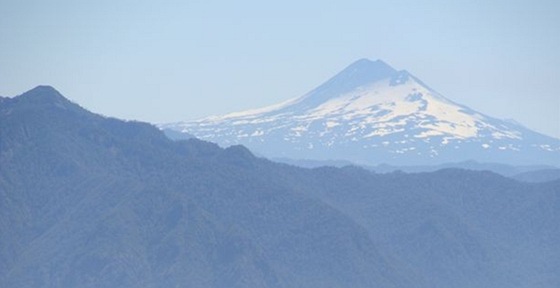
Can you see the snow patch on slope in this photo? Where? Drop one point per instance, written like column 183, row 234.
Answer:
column 394, row 113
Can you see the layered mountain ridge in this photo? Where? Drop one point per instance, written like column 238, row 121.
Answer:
column 91, row 201
column 371, row 113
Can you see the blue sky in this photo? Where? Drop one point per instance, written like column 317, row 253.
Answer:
column 166, row 61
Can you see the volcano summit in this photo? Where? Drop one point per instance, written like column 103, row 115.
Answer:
column 371, row 113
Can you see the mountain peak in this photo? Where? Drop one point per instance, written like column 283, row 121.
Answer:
column 362, row 72
column 359, row 73
column 41, row 98
column 42, row 90
column 44, row 95
column 368, row 64
column 371, row 113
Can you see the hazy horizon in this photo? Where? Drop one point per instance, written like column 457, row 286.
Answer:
column 172, row 61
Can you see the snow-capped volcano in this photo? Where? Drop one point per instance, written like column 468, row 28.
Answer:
column 371, row 113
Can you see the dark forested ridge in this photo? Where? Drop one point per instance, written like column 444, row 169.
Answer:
column 90, row 201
